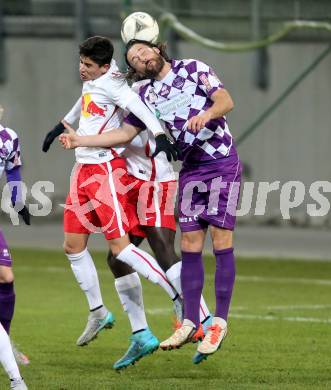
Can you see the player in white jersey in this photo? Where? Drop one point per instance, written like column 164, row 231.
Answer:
column 151, row 199
column 98, row 191
column 10, row 162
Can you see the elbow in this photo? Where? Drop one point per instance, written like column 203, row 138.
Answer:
column 230, row 104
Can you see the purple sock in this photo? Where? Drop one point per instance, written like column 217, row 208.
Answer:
column 7, row 304
column 224, row 280
column 192, row 276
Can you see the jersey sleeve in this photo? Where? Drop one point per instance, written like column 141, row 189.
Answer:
column 74, row 114
column 204, row 76
column 13, row 159
column 131, row 119
column 119, row 92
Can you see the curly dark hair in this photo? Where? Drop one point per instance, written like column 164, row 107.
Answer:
column 131, row 74
column 98, row 49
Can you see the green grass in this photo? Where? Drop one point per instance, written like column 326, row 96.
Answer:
column 272, row 344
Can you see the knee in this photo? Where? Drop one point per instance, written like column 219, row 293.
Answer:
column 165, row 255
column 71, row 248
column 192, row 242
column 117, row 267
column 222, row 240
column 117, row 245
column 113, row 263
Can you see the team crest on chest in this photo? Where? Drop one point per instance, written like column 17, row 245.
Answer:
column 164, row 90
column 204, row 79
column 178, row 82
column 152, row 96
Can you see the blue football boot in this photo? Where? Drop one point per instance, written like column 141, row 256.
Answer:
column 142, row 344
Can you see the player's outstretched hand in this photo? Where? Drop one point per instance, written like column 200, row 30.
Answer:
column 24, row 213
column 163, row 144
column 69, row 140
column 51, row 135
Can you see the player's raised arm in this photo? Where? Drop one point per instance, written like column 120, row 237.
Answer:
column 129, row 100
column 108, row 139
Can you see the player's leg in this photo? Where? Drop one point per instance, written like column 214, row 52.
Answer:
column 222, row 225
column 81, row 219
column 7, row 296
column 115, row 216
column 140, row 261
column 8, row 362
column 224, row 280
column 192, row 279
column 7, row 292
column 154, row 206
column 129, row 290
column 82, row 265
column 162, row 242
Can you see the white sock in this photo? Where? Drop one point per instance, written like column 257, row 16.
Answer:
column 173, row 274
column 86, row 275
column 7, row 358
column 204, row 311
column 147, row 266
column 187, row 322
column 130, row 293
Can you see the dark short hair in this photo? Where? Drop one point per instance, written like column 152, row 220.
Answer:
column 131, row 73
column 98, row 49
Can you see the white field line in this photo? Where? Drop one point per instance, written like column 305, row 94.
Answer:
column 262, row 279
column 243, row 308
column 158, row 311
column 166, row 311
column 51, row 270
column 274, row 318
column 298, row 307
column 239, row 278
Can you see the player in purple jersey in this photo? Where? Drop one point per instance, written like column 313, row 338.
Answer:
column 10, row 163
column 192, row 102
column 190, row 99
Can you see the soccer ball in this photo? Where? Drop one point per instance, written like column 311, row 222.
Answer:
column 140, row 25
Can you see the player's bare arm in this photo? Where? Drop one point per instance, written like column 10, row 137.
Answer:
column 115, row 137
column 222, row 104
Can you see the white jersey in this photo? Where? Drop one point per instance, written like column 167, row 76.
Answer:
column 10, row 153
column 101, row 107
column 138, row 153
column 141, row 165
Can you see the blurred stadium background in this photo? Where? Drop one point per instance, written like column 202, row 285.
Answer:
column 280, row 319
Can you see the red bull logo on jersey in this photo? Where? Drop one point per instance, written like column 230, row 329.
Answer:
column 89, row 107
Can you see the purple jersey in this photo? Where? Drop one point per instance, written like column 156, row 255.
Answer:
column 183, row 93
column 9, row 159
column 10, row 153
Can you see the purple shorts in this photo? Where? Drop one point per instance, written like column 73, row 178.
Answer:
column 5, row 258
column 208, row 195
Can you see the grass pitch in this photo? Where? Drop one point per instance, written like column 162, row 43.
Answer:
column 279, row 330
